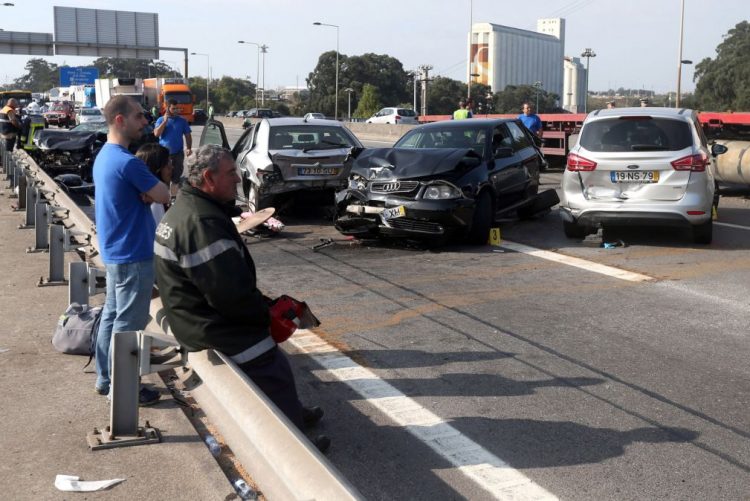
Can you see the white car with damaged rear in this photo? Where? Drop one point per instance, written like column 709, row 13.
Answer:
column 279, row 157
column 640, row 167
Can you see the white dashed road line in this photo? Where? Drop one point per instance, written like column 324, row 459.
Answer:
column 730, row 225
column 602, row 269
column 484, row 468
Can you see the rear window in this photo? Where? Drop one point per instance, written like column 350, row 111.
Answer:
column 308, row 137
column 406, row 112
column 90, row 112
column 636, row 134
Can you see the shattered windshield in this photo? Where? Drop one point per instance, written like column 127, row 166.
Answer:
column 448, row 137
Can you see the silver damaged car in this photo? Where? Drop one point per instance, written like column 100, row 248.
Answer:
column 640, row 166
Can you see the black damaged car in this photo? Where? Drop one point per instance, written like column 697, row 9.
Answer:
column 450, row 178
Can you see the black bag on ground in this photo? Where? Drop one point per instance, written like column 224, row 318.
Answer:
column 76, row 330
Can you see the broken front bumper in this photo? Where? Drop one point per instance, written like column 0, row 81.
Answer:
column 360, row 216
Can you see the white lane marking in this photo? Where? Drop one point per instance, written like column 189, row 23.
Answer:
column 576, row 262
column 484, row 468
column 730, row 225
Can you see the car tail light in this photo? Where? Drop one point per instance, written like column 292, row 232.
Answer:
column 693, row 163
column 696, row 212
column 398, row 117
column 578, row 163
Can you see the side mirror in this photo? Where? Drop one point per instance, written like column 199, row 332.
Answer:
column 718, row 149
column 503, row 152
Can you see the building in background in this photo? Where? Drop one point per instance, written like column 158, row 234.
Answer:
column 500, row 55
column 574, row 85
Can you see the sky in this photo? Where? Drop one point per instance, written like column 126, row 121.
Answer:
column 636, row 41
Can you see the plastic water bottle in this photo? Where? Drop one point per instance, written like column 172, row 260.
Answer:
column 244, row 490
column 213, row 445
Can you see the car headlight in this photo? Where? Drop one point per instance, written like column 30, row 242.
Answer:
column 357, row 182
column 441, row 191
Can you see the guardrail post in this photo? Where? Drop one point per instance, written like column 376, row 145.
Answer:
column 23, row 192
column 31, row 200
column 78, row 285
column 131, row 357
column 56, row 256
column 40, row 217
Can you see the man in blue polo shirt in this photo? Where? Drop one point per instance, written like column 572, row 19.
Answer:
column 171, row 129
column 530, row 119
column 125, row 189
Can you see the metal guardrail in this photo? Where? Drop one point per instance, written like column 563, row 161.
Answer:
column 278, row 456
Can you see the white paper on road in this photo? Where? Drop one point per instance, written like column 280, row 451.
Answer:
column 71, row 483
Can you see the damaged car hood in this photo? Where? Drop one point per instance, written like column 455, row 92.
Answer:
column 64, row 140
column 408, row 163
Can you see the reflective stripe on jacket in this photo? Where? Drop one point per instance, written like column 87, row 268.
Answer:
column 6, row 123
column 207, row 280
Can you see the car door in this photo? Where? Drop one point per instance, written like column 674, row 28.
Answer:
column 213, row 133
column 503, row 163
column 528, row 161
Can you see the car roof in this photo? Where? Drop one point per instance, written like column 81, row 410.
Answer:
column 466, row 124
column 275, row 122
column 651, row 111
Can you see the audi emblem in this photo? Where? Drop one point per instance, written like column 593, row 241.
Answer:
column 391, row 186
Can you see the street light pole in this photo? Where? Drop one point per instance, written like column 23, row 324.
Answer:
column 588, row 54
column 679, row 58
column 336, row 98
column 257, row 68
column 263, row 50
column 208, row 75
column 537, row 84
column 349, row 91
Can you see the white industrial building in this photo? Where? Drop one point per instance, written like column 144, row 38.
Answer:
column 500, row 56
column 574, row 85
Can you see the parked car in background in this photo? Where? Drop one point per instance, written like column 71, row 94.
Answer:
column 86, row 115
column 259, row 113
column 640, row 166
column 444, row 179
column 394, row 116
column 314, row 116
column 281, row 156
column 200, row 116
column 61, row 114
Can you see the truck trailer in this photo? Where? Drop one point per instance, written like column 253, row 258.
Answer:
column 158, row 92
column 107, row 88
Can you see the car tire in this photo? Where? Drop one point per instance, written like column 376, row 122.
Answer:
column 574, row 230
column 703, row 233
column 482, row 220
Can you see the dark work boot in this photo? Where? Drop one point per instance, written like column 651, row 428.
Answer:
column 321, row 442
column 311, row 416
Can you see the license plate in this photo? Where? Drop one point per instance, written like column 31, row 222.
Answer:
column 394, row 212
column 624, row 176
column 317, row 171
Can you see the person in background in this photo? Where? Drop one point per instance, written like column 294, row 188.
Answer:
column 530, row 119
column 10, row 125
column 172, row 129
column 611, row 104
column 644, row 102
column 208, row 283
column 462, row 112
column 156, row 157
column 124, row 190
column 210, row 111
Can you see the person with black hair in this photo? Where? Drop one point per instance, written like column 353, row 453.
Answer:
column 157, row 158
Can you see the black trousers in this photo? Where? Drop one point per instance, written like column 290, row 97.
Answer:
column 9, row 144
column 272, row 373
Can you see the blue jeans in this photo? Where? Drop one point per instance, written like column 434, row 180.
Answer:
column 125, row 309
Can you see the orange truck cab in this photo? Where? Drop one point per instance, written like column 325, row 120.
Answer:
column 158, row 91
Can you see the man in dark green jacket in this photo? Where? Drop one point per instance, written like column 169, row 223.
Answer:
column 207, row 282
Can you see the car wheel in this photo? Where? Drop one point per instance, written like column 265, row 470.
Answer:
column 482, row 220
column 703, row 233
column 574, row 230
